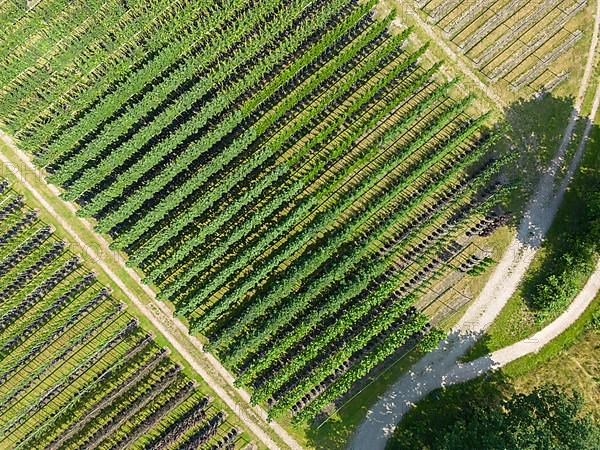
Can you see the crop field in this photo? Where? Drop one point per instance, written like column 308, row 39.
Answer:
column 291, row 175
column 76, row 370
column 519, row 41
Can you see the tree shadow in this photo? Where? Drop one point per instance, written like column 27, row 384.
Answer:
column 537, row 127
column 570, row 240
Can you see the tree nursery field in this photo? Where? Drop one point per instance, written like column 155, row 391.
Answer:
column 303, row 183
column 76, row 369
column 291, row 175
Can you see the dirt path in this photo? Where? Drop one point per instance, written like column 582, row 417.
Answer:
column 440, row 367
column 211, row 371
column 404, row 7
column 533, row 344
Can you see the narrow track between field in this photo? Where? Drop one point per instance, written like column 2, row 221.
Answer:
column 209, row 369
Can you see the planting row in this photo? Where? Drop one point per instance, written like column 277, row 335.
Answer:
column 76, row 370
column 505, row 39
column 289, row 174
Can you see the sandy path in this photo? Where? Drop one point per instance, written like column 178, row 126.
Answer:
column 157, row 312
column 440, row 367
column 404, row 7
column 562, row 323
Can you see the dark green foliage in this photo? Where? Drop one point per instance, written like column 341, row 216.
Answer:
column 481, row 267
column 595, row 322
column 572, row 249
column 480, row 415
column 431, row 340
column 562, row 283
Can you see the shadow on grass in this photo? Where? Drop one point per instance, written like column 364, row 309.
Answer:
column 570, row 246
column 537, row 128
column 334, row 427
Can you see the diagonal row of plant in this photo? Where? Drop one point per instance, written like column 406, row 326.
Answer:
column 77, row 53
column 396, row 339
column 289, row 221
column 15, row 49
column 325, row 218
column 25, row 59
column 388, row 318
column 139, row 360
column 95, row 310
column 184, row 251
column 137, row 50
column 338, row 323
column 56, row 16
column 29, row 85
column 113, row 382
column 81, row 334
column 115, row 345
column 273, row 233
column 345, row 262
column 370, row 269
column 172, row 56
column 187, row 157
column 282, row 169
column 137, row 198
column 342, row 384
column 326, row 279
column 19, row 304
column 65, row 343
column 167, row 100
column 338, row 211
column 298, row 216
column 31, row 307
column 173, row 112
column 20, row 411
column 28, row 384
column 274, row 146
column 331, row 362
column 304, row 212
column 49, row 313
column 177, row 196
column 203, row 202
column 28, row 62
column 246, row 226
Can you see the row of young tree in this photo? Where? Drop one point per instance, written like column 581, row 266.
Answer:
column 289, row 174
column 76, row 370
column 77, row 79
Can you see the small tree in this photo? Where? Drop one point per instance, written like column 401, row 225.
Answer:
column 546, row 418
column 431, row 340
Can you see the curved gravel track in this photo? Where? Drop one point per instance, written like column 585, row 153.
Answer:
column 440, row 367
column 205, row 364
